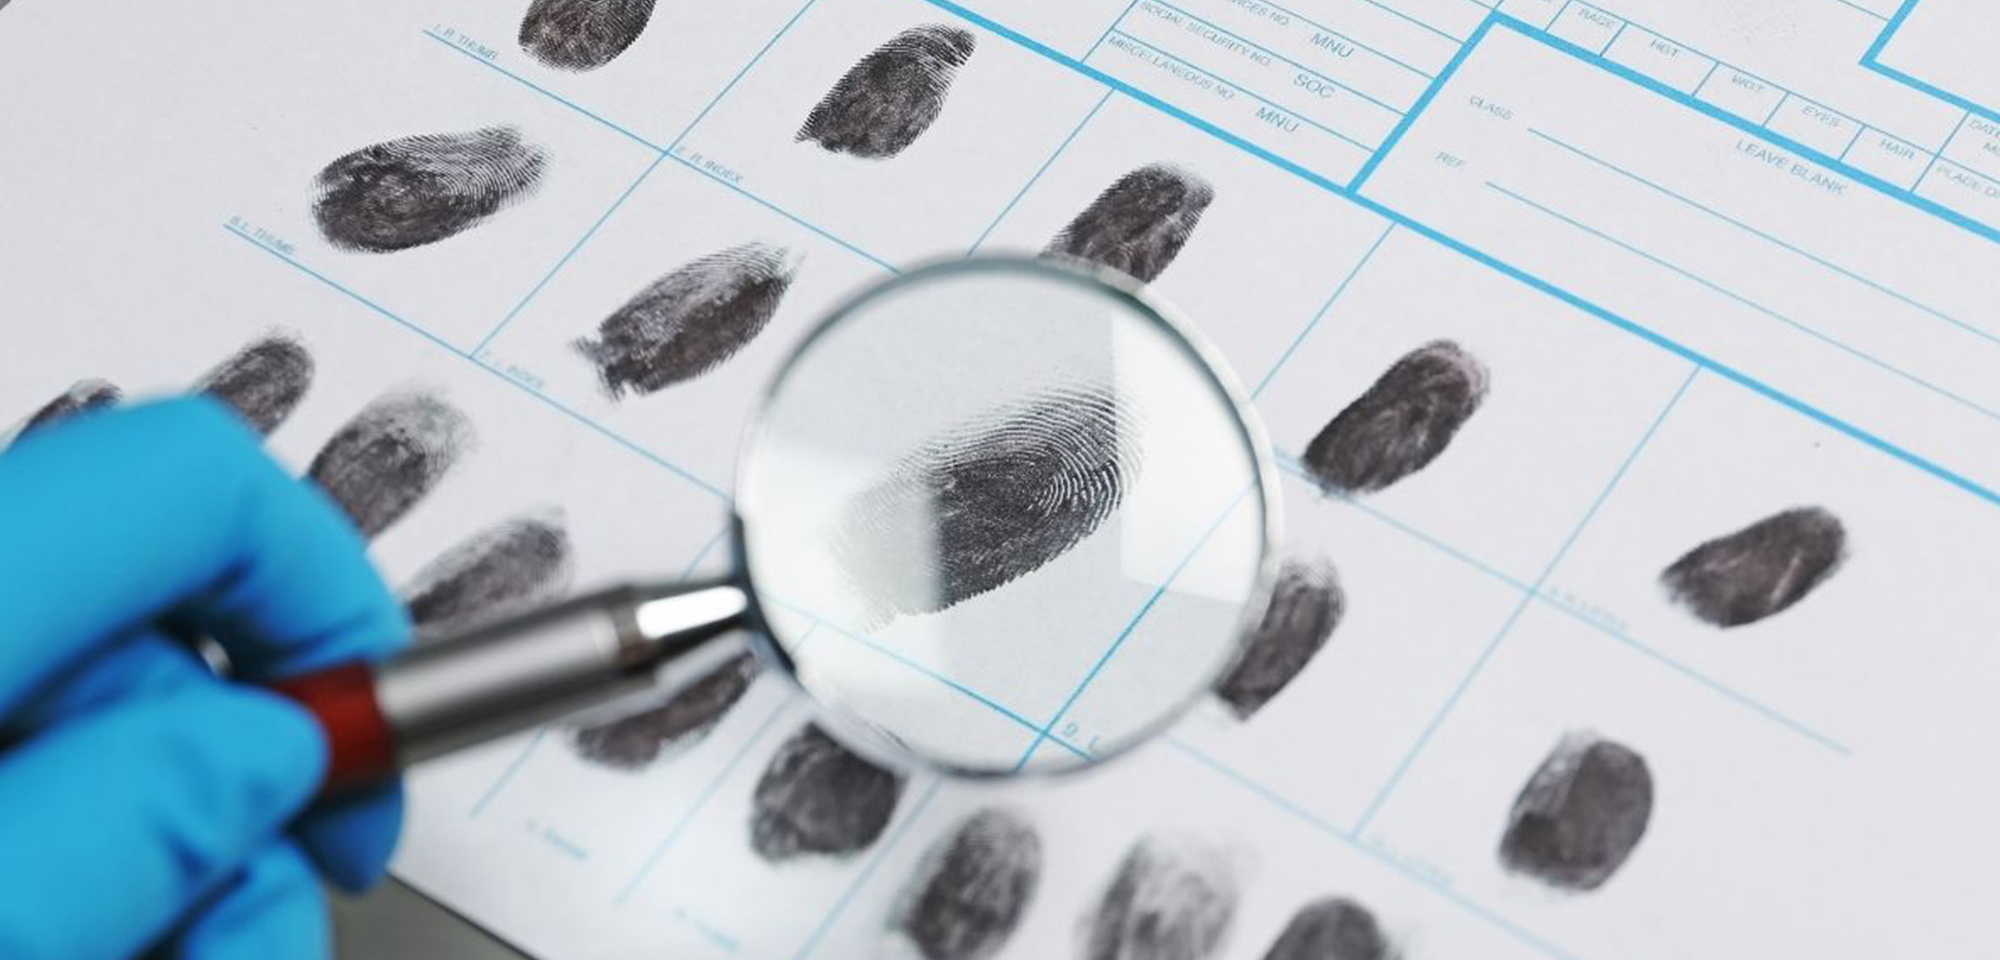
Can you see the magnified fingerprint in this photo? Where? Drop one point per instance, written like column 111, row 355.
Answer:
column 1332, row 929
column 1138, row 224
column 816, row 797
column 1759, row 570
column 264, row 381
column 82, row 395
column 1306, row 605
column 510, row 568
column 1580, row 815
column 389, row 456
column 417, row 190
column 1402, row 423
column 890, row 97
column 1173, row 899
column 582, row 34
column 972, row 888
column 691, row 320
column 689, row 714
column 990, row 501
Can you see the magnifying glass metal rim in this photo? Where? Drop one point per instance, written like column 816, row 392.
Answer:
column 849, row 726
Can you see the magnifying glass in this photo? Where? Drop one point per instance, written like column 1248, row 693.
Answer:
column 997, row 516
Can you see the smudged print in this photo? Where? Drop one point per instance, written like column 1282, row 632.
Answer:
column 817, row 797
column 1138, row 224
column 81, row 396
column 972, row 888
column 1172, row 899
column 389, row 456
column 1402, row 423
column 582, row 34
column 264, row 381
column 1581, row 814
column 990, row 501
column 1332, row 929
column 417, row 190
column 1306, row 606
column 888, row 99
column 1760, row 570
column 636, row 739
column 510, row 568
column 691, row 320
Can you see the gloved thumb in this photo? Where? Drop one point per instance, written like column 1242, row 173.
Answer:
column 138, row 810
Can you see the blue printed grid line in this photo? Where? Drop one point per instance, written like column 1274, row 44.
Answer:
column 1191, row 65
column 892, row 654
column 1130, row 625
column 1804, row 328
column 1713, row 66
column 1940, row 150
column 1311, row 325
column 1456, row 899
column 895, row 838
column 1822, row 261
column 708, row 792
column 1851, row 5
column 1674, row 664
column 1400, row 15
column 1486, row 655
column 1044, row 168
column 731, row 85
column 1106, row 35
column 1274, row 54
column 536, row 290
column 1780, row 105
column 1291, row 464
column 780, row 211
column 1871, row 60
column 544, row 91
column 1323, row 28
column 546, row 400
column 1353, row 186
column 1758, row 129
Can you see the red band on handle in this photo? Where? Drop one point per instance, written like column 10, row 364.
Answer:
column 360, row 748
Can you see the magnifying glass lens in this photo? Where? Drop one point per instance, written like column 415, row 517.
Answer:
column 1004, row 517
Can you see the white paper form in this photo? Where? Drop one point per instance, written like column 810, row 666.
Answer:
column 1725, row 270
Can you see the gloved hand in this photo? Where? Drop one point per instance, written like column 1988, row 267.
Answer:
column 144, row 803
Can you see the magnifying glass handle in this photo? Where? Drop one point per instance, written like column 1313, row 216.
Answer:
column 379, row 718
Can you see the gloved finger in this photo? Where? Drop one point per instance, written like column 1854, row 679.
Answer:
column 351, row 837
column 148, row 662
column 348, row 838
column 114, row 519
column 272, row 908
column 208, row 774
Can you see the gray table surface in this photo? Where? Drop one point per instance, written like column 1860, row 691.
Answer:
column 394, row 922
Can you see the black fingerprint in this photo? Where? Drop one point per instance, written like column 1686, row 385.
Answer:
column 264, row 381
column 691, row 320
column 1172, row 899
column 582, row 34
column 816, row 797
column 1138, row 224
column 1402, row 423
column 993, row 500
column 82, row 395
column 510, row 568
column 890, row 97
column 379, row 464
column 972, row 888
column 1306, row 605
column 1759, row 570
column 636, row 739
column 1332, row 929
column 406, row 193
column 1580, row 815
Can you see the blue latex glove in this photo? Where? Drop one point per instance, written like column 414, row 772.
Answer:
column 144, row 803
